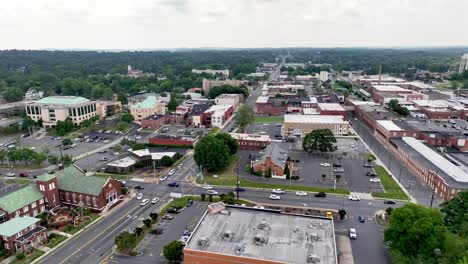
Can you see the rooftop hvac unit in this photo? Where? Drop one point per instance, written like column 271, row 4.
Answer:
column 313, row 258
column 224, row 212
column 228, row 235
column 263, row 225
column 259, row 240
column 315, row 236
column 204, row 241
column 239, row 248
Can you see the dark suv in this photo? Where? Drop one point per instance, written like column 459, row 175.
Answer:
column 321, row 195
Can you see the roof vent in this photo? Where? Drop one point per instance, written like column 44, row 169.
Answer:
column 204, row 241
column 259, row 240
column 228, row 234
column 263, row 225
column 313, row 258
column 239, row 248
column 314, row 236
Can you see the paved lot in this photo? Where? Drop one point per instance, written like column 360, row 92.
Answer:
column 271, row 129
column 152, row 246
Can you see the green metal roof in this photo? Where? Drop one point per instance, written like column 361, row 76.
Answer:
column 74, row 180
column 46, row 177
column 149, row 102
column 64, row 100
column 20, row 198
column 13, row 226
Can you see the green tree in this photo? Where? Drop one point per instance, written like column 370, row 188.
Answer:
column 63, row 127
column 229, row 141
column 167, row 161
column 319, row 140
column 53, row 160
column 172, row 105
column 122, row 97
column 212, row 154
column 127, row 117
column 244, row 117
column 173, row 251
column 27, row 123
column 154, row 216
column 455, row 214
column 269, row 173
column 287, row 172
column 203, row 197
column 66, row 142
column 415, row 232
column 39, row 158
column 125, row 241
column 86, row 123
column 67, row 160
column 147, row 222
column 393, row 103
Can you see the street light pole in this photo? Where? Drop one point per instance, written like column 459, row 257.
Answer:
column 238, row 181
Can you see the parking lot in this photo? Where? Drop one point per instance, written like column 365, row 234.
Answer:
column 152, row 246
column 271, row 129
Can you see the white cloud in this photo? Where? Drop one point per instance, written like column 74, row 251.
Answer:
column 153, row 24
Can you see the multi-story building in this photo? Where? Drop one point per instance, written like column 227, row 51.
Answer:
column 324, row 76
column 157, row 121
column 108, row 107
column 331, row 109
column 274, row 158
column 69, row 186
column 274, row 106
column 58, row 108
column 251, row 141
column 228, row 99
column 20, row 234
column 217, row 115
column 430, row 168
column 301, row 125
column 234, row 234
column 150, row 106
column 208, row 84
column 173, row 140
column 212, row 72
column 283, row 89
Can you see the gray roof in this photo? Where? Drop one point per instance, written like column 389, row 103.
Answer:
column 429, row 163
column 287, row 238
column 278, row 155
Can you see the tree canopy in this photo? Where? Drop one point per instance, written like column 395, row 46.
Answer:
column 227, row 89
column 319, row 140
column 455, row 214
column 244, row 117
column 173, row 251
column 127, row 117
column 228, row 141
column 212, row 153
column 172, row 105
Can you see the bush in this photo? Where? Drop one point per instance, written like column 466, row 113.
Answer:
column 20, row 256
column 295, row 178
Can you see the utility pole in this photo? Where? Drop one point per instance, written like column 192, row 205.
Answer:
column 61, row 156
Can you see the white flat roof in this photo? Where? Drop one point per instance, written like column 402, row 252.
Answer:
column 159, row 155
column 432, row 103
column 262, row 99
column 141, row 152
column 310, row 111
column 389, row 88
column 389, row 125
column 123, row 163
column 435, row 158
column 255, row 137
column 330, row 107
column 329, row 119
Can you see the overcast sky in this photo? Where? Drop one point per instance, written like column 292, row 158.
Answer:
column 157, row 24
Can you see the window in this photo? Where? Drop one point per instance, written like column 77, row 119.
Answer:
column 33, row 204
column 20, row 233
column 25, row 209
column 95, row 201
column 41, row 201
column 74, row 197
column 33, row 226
column 53, row 198
column 68, row 196
column 5, row 238
column 7, row 246
column 42, row 188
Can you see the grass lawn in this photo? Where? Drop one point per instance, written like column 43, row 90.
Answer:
column 17, row 181
column 55, row 240
column 34, row 255
column 392, row 189
column 113, row 176
column 70, row 229
column 269, row 119
column 230, row 169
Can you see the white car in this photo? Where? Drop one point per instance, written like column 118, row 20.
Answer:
column 139, row 196
column 116, row 153
column 275, row 197
column 258, row 207
column 144, row 202
column 163, row 178
column 301, row 193
column 171, row 172
column 10, row 174
column 207, row 187
column 184, row 239
column 352, row 233
column 354, row 198
column 374, row 180
column 325, row 164
column 212, row 192
column 278, row 191
column 155, row 200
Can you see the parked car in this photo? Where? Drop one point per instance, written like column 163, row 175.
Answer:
column 301, row 193
column 163, row 178
column 338, row 170
column 168, row 217
column 189, row 203
column 144, row 202
column 367, row 165
column 371, row 174
column 239, row 189
column 10, row 174
column 139, row 187
column 23, row 174
column 173, row 184
column 275, row 197
column 325, row 164
column 116, row 153
column 321, row 195
column 278, row 191
column 156, row 231
column 103, row 159
column 212, row 192
column 171, row 172
column 374, row 180
column 184, row 239
column 173, row 210
column 352, row 233
column 362, row 219
column 186, row 233
column 155, row 200
column 336, row 165
column 354, row 198
column 139, row 196
column 207, row 187
column 389, row 202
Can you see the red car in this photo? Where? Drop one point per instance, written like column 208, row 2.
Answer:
column 23, row 174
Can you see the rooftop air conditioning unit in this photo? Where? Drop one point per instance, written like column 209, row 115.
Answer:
column 313, row 258
column 259, row 240
column 204, row 241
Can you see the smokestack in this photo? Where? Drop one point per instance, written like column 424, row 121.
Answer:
column 380, row 73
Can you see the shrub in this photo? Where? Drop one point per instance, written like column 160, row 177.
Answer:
column 20, row 256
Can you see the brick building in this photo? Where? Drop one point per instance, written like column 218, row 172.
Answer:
column 430, row 168
column 331, row 109
column 69, row 186
column 169, row 140
column 22, row 233
column 275, row 106
column 216, row 115
column 274, row 158
column 157, row 121
column 251, row 141
column 300, row 125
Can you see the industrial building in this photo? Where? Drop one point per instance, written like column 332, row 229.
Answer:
column 300, row 125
